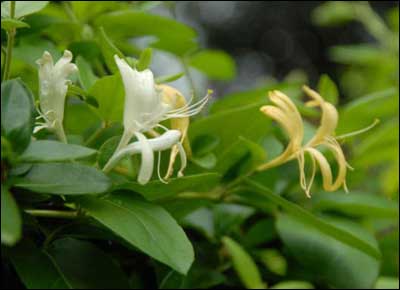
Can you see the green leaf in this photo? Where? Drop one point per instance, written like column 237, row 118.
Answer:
column 207, row 161
column 11, row 225
column 202, row 220
column 385, row 104
column 146, row 226
column 35, row 267
column 64, row 178
column 328, row 89
column 261, row 232
column 108, row 50
column 229, row 217
column 16, row 113
column 356, row 204
column 85, row 266
column 107, row 150
column 144, row 60
column 86, row 76
column 335, row 263
column 204, row 144
column 22, row 8
column 48, row 151
column 109, row 93
column 79, row 116
column 333, row 13
column 358, row 54
column 10, row 23
column 293, row 285
column 265, row 196
column 246, row 121
column 155, row 189
column 253, row 96
column 387, row 283
column 169, row 78
column 274, row 261
column 241, row 157
column 216, row 64
column 244, row 265
column 171, row 35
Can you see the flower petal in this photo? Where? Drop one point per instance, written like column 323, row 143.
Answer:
column 147, row 162
column 324, row 167
column 287, row 115
column 329, row 118
column 143, row 106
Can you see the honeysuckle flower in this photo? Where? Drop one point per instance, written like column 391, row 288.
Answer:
column 286, row 114
column 146, row 105
column 176, row 100
column 53, row 86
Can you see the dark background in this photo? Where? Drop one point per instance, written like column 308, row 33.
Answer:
column 271, row 37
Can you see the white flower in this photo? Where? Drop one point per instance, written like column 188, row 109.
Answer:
column 145, row 107
column 53, row 86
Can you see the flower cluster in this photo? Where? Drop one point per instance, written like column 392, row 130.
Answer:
column 53, row 86
column 286, row 114
column 147, row 104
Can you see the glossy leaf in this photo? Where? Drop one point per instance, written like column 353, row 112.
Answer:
column 264, row 195
column 244, row 265
column 356, row 204
column 22, row 8
column 155, row 190
column 49, row 151
column 86, row 76
column 109, row 93
column 11, row 224
column 146, row 226
column 84, row 266
column 330, row 260
column 16, row 113
column 36, row 268
column 215, row 64
column 328, row 89
column 64, row 178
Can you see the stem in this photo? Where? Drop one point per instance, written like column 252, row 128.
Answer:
column 95, row 135
column 122, row 144
column 52, row 213
column 10, row 44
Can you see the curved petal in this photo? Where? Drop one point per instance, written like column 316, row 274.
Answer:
column 335, row 148
column 284, row 102
column 147, row 162
column 143, row 107
column 324, row 167
column 329, row 118
column 289, row 118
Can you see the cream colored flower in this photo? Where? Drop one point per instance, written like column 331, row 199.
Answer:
column 146, row 106
column 53, row 86
column 286, row 114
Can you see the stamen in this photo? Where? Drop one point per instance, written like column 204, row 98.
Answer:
column 374, row 123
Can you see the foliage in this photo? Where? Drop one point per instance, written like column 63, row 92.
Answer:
column 67, row 224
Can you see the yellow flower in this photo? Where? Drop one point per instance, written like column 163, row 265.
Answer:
column 286, row 114
column 176, row 100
